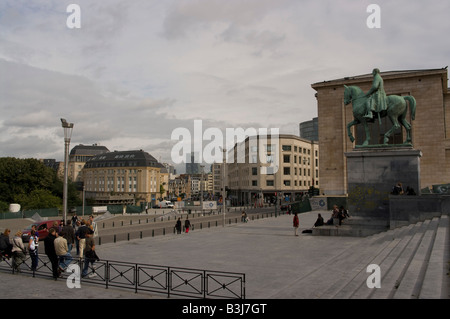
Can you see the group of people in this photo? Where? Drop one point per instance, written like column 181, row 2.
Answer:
column 337, row 214
column 58, row 245
column 187, row 225
column 398, row 190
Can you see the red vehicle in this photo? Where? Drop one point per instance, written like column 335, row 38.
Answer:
column 41, row 227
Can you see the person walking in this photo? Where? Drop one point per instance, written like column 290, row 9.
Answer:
column 187, row 225
column 178, row 226
column 296, row 223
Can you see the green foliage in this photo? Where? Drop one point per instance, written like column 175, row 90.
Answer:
column 33, row 185
column 3, row 207
column 38, row 199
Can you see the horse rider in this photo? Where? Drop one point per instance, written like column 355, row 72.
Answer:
column 376, row 101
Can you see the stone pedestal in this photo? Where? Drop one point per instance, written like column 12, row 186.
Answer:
column 373, row 172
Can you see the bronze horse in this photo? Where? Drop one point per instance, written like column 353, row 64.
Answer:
column 396, row 111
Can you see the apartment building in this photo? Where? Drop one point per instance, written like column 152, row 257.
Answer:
column 283, row 168
column 126, row 177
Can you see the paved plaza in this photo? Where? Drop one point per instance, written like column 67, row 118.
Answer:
column 277, row 264
column 266, row 250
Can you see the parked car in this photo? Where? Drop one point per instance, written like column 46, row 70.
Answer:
column 41, row 227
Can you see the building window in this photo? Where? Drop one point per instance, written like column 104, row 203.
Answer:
column 286, row 158
column 287, row 183
column 254, row 171
column 254, row 183
column 286, row 171
column 269, row 183
column 286, row 148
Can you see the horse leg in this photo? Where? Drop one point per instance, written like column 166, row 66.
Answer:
column 395, row 126
column 407, row 126
column 366, row 129
column 349, row 133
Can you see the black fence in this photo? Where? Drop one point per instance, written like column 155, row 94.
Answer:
column 171, row 281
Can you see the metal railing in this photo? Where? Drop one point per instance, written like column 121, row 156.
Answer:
column 171, row 281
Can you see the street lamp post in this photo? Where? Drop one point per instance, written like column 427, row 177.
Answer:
column 201, row 189
column 224, row 192
column 67, row 135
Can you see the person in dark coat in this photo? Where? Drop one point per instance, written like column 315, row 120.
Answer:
column 178, row 226
column 5, row 244
column 319, row 222
column 69, row 234
column 51, row 252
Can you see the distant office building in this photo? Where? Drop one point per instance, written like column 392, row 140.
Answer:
column 193, row 164
column 310, row 129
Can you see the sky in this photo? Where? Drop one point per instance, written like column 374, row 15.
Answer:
column 136, row 70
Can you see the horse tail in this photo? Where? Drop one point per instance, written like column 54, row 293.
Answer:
column 412, row 105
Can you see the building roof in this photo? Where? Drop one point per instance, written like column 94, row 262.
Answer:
column 88, row 150
column 123, row 159
column 386, row 75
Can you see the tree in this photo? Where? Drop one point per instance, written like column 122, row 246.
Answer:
column 38, row 199
column 32, row 184
column 22, row 176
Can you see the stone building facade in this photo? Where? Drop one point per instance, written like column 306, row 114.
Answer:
column 430, row 129
column 124, row 177
column 293, row 169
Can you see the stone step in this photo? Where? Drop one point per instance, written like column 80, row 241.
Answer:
column 410, row 284
column 436, row 273
column 369, row 221
column 379, row 245
column 333, row 270
column 385, row 260
column 348, row 230
column 395, row 265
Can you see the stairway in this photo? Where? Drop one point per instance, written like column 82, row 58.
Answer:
column 414, row 262
column 356, row 226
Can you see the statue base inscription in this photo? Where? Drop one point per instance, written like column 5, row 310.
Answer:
column 373, row 172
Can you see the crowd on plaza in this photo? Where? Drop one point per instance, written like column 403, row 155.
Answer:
column 58, row 245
